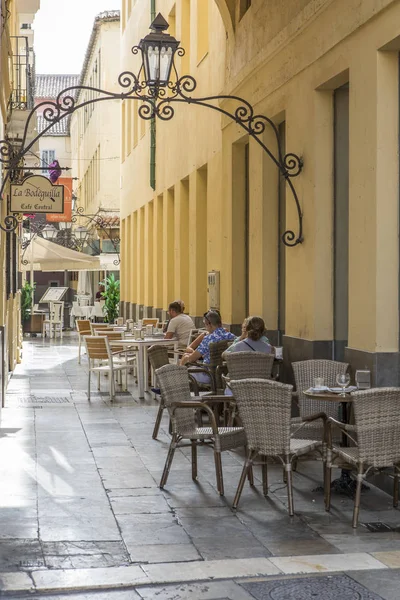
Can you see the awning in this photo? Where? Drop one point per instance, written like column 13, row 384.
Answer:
column 48, row 256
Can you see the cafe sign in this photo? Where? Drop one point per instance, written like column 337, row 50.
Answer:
column 36, row 194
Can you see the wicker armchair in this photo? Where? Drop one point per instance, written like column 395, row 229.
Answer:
column 214, row 368
column 377, row 426
column 158, row 357
column 175, row 389
column 265, row 410
column 249, row 365
column 304, row 374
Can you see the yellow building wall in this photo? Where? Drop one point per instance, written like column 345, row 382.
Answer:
column 286, row 61
column 96, row 129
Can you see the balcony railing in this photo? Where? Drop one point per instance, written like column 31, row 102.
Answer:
column 23, row 74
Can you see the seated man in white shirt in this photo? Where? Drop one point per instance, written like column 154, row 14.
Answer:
column 180, row 325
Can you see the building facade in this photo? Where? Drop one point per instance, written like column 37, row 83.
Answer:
column 95, row 139
column 16, row 101
column 327, row 73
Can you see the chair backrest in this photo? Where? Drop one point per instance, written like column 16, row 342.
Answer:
column 216, row 351
column 377, row 419
column 265, row 410
column 246, row 365
column 150, row 321
column 56, row 312
column 82, row 325
column 110, row 334
column 94, row 326
column 98, row 309
column 97, row 347
column 158, row 356
column 305, row 372
column 174, row 386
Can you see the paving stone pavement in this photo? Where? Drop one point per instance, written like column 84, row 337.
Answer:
column 80, row 497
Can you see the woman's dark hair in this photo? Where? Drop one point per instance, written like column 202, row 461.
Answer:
column 255, row 328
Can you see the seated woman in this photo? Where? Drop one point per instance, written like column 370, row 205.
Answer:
column 253, row 337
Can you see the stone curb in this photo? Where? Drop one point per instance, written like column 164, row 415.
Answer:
column 57, row 580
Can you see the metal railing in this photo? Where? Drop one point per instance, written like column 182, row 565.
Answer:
column 22, row 74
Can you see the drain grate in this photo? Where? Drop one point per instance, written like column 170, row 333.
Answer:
column 310, row 588
column 43, row 400
column 379, row 527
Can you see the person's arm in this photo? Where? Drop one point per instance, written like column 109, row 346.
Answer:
column 171, row 330
column 190, row 357
column 195, row 343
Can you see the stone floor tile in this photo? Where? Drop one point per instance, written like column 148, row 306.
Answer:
column 20, row 555
column 327, row 562
column 15, row 582
column 112, row 577
column 79, row 529
column 139, row 504
column 157, row 529
column 164, row 553
column 299, row 547
column 391, row 559
column 221, row 569
column 385, row 584
column 372, row 543
column 216, row 590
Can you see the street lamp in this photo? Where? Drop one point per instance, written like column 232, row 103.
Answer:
column 65, row 225
column 80, row 234
column 49, row 232
column 158, row 49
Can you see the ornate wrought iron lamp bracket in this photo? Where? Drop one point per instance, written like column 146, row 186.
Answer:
column 157, row 100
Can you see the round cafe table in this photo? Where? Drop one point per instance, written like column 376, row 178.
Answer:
column 344, row 484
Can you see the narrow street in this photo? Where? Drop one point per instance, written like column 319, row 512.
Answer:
column 81, row 508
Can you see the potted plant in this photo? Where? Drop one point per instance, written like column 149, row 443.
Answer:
column 27, row 292
column 111, row 297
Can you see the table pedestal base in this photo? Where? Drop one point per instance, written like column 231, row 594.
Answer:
column 344, row 485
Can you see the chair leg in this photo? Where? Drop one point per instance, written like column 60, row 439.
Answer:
column 112, row 386
column 168, row 462
column 158, row 420
column 288, row 470
column 247, row 465
column 327, row 480
column 98, row 380
column 264, row 471
column 357, row 499
column 396, row 487
column 79, row 351
column 194, row 460
column 89, row 381
column 218, row 472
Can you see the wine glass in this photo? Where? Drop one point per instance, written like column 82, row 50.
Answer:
column 343, row 381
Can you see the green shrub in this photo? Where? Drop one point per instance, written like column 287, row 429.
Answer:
column 111, row 297
column 26, row 300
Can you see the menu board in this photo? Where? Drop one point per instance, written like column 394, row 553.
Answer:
column 53, row 294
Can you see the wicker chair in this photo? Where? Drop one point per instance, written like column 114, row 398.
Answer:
column 249, row 365
column 175, row 389
column 158, row 357
column 304, row 374
column 214, row 368
column 377, row 427
column 265, row 410
column 83, row 328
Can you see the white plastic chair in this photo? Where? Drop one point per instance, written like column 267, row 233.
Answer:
column 55, row 321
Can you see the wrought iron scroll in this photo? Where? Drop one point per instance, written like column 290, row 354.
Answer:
column 157, row 101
